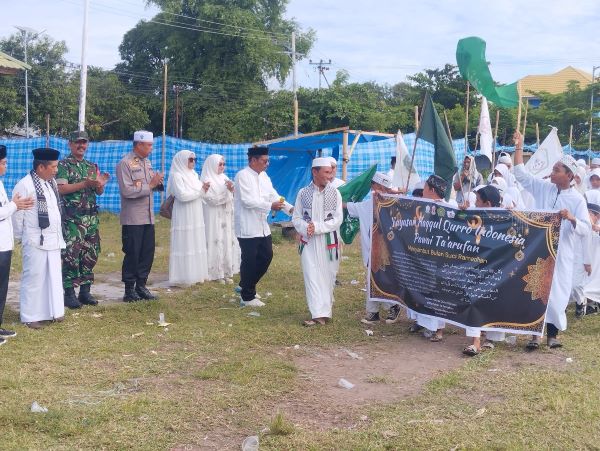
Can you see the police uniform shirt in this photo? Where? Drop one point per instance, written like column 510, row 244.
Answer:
column 137, row 201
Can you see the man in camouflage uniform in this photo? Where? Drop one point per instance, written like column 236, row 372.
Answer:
column 79, row 181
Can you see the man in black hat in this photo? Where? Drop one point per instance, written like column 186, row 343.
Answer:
column 40, row 233
column 7, row 209
column 254, row 198
column 79, row 182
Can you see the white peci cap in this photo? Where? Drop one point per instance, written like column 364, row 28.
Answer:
column 143, row 136
column 321, row 162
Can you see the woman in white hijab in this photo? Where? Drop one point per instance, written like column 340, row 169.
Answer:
column 511, row 196
column 222, row 246
column 187, row 260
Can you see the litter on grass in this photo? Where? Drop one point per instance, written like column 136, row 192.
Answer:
column 36, row 408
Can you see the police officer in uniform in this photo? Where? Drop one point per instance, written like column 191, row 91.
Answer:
column 79, row 181
column 137, row 181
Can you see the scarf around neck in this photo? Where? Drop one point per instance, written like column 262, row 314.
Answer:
column 42, row 204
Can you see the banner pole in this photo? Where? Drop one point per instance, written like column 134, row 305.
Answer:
column 467, row 117
column 495, row 139
column 417, row 131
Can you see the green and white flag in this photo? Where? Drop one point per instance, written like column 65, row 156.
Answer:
column 354, row 191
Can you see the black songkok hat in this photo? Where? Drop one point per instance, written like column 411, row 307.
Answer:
column 258, row 151
column 2, row 152
column 437, row 184
column 490, row 193
column 46, row 154
column 594, row 208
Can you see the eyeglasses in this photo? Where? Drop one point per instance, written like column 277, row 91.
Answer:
column 192, row 160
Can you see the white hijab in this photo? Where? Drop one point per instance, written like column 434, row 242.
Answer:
column 179, row 165
column 210, row 173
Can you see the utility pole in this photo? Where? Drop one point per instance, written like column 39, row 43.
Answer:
column 176, row 89
column 294, row 87
column 28, row 33
column 591, row 108
column 321, row 67
column 83, row 73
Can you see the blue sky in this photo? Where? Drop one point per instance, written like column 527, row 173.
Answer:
column 382, row 41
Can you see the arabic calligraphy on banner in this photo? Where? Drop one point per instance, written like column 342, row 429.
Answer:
column 484, row 268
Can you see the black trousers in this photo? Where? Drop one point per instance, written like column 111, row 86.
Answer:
column 551, row 330
column 257, row 254
column 4, row 273
column 138, row 247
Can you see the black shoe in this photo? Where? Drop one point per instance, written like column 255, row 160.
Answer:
column 371, row 318
column 85, row 297
column 130, row 294
column 393, row 315
column 5, row 333
column 592, row 309
column 414, row 328
column 579, row 310
column 70, row 299
column 144, row 293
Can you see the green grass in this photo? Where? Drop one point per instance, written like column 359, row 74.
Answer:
column 114, row 382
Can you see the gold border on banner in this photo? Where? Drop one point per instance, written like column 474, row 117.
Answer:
column 549, row 226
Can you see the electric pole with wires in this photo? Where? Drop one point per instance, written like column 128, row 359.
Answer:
column 322, row 67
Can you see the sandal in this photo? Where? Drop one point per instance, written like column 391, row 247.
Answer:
column 487, row 345
column 309, row 323
column 533, row 344
column 436, row 337
column 470, row 350
column 553, row 343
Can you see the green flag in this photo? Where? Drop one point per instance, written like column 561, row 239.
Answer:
column 432, row 130
column 354, row 191
column 470, row 57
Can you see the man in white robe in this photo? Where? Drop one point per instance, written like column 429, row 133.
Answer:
column 335, row 182
column 317, row 218
column 381, row 183
column 254, row 197
column 557, row 194
column 40, row 232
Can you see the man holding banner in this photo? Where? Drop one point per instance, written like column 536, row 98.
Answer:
column 557, row 194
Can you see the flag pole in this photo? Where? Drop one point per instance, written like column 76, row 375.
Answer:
column 525, row 118
column 447, row 126
column 519, row 108
column 571, row 139
column 417, row 131
column 537, row 134
column 467, row 118
column 495, row 139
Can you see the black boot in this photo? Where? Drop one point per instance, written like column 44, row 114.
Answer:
column 130, row 294
column 70, row 299
column 85, row 297
column 143, row 292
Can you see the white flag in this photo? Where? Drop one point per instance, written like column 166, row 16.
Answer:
column 402, row 168
column 549, row 152
column 486, row 138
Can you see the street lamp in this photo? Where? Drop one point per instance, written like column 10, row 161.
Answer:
column 28, row 33
column 592, row 107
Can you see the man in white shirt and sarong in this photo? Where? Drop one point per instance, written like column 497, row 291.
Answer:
column 7, row 209
column 254, row 198
column 317, row 218
column 557, row 194
column 40, row 232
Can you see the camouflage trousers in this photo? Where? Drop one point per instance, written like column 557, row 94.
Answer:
column 81, row 254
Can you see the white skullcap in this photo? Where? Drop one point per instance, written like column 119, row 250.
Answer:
column 143, row 136
column 595, row 172
column 500, row 183
column 333, row 161
column 505, row 159
column 321, row 162
column 382, row 179
column 596, row 161
column 419, row 185
column 581, row 162
column 569, row 162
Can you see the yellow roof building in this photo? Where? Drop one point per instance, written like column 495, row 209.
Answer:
column 556, row 83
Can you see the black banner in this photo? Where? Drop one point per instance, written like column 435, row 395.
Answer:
column 485, row 268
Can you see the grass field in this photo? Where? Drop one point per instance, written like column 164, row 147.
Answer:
column 111, row 380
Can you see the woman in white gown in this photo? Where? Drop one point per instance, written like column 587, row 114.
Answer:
column 187, row 259
column 222, row 246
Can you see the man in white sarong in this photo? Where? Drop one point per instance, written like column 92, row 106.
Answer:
column 381, row 183
column 254, row 196
column 557, row 194
column 335, row 182
column 40, row 232
column 317, row 218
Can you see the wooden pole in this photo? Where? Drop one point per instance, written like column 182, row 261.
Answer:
column 571, row 139
column 525, row 119
column 344, row 155
column 416, row 118
column 47, row 130
column 495, row 139
column 164, row 129
column 447, row 126
column 467, row 118
column 412, row 158
column 537, row 134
